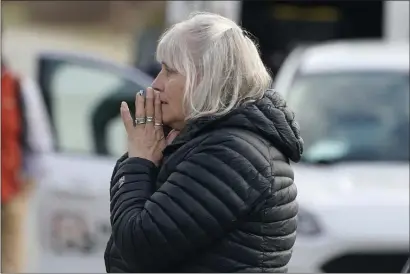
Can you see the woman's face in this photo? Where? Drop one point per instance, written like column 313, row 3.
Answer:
column 171, row 86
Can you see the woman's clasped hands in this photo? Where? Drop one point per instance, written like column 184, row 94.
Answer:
column 146, row 139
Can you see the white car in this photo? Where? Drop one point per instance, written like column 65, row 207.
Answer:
column 351, row 99
column 70, row 226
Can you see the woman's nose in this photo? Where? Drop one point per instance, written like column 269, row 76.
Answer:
column 156, row 84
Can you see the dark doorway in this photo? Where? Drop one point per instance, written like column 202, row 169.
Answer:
column 279, row 26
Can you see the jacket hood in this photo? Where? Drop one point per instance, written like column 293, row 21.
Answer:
column 269, row 117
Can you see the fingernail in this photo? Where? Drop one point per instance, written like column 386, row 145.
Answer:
column 141, row 92
column 150, row 92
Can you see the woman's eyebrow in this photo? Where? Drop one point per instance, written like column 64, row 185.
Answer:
column 168, row 68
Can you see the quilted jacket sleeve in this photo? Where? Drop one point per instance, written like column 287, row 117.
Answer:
column 200, row 202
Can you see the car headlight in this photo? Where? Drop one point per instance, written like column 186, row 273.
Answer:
column 308, row 225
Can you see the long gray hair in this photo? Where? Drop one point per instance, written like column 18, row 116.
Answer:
column 222, row 65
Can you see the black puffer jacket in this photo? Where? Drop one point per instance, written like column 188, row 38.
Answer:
column 222, row 201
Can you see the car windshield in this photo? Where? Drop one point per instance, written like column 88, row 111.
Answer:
column 353, row 116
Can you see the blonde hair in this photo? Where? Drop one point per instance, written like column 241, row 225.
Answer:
column 222, row 65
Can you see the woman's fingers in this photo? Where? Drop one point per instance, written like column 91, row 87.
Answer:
column 126, row 117
column 158, row 110
column 139, row 107
column 149, row 107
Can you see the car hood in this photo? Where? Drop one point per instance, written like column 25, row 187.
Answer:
column 353, row 183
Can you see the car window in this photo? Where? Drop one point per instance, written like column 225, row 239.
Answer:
column 85, row 103
column 364, row 114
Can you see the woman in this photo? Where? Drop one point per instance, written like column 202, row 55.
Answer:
column 220, row 196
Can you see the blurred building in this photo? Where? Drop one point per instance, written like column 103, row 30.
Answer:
column 121, row 14
column 109, row 29
column 280, row 26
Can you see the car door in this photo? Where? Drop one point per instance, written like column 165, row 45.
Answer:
column 82, row 96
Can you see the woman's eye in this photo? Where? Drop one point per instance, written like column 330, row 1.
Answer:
column 169, row 72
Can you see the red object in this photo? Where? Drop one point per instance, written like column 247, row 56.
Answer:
column 11, row 130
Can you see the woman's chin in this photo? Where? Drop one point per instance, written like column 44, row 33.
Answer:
column 166, row 121
column 173, row 123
